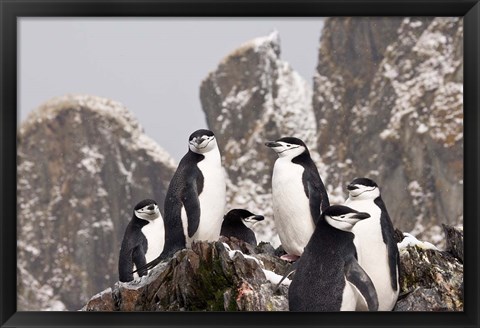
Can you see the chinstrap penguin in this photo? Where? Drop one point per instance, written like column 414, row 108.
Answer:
column 143, row 239
column 298, row 194
column 375, row 241
column 196, row 196
column 328, row 276
column 238, row 223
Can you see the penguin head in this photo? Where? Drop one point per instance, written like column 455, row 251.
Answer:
column 343, row 217
column 244, row 216
column 363, row 188
column 202, row 141
column 288, row 147
column 147, row 209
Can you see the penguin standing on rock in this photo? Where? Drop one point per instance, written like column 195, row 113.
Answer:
column 328, row 276
column 196, row 196
column 143, row 240
column 375, row 241
column 238, row 222
column 298, row 193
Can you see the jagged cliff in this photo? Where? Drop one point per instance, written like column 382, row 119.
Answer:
column 83, row 163
column 230, row 275
column 388, row 99
column 252, row 97
column 387, row 104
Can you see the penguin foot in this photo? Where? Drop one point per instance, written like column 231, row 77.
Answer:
column 289, row 257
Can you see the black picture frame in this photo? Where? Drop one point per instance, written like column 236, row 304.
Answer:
column 12, row 10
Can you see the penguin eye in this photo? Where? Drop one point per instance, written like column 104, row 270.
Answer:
column 343, row 216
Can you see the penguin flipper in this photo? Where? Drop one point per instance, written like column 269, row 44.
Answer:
column 358, row 278
column 388, row 233
column 191, row 205
column 314, row 200
column 139, row 260
column 125, row 265
column 125, row 259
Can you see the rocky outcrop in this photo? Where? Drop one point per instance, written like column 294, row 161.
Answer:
column 431, row 280
column 388, row 99
column 230, row 275
column 83, row 163
column 252, row 97
column 454, row 244
column 227, row 275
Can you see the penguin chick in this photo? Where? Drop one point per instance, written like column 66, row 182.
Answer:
column 328, row 276
column 298, row 195
column 238, row 223
column 375, row 241
column 143, row 239
column 196, row 197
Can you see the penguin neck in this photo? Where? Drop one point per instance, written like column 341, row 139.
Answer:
column 139, row 222
column 211, row 156
column 302, row 158
column 236, row 224
column 324, row 230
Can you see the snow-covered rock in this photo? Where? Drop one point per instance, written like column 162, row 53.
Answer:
column 252, row 97
column 227, row 275
column 389, row 98
column 230, row 275
column 83, row 163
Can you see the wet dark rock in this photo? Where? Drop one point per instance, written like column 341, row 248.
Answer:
column 398, row 236
column 430, row 280
column 454, row 244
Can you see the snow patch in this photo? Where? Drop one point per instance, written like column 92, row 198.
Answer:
column 410, row 240
column 422, row 128
column 93, row 160
column 232, row 254
column 275, row 278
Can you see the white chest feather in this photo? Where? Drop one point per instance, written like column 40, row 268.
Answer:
column 212, row 198
column 372, row 251
column 291, row 208
column 154, row 231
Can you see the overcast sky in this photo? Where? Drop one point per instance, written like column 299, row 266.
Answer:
column 153, row 66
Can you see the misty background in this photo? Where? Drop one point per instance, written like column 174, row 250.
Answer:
column 153, row 66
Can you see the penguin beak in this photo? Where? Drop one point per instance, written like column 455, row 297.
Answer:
column 272, row 144
column 361, row 215
column 258, row 218
column 351, row 187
